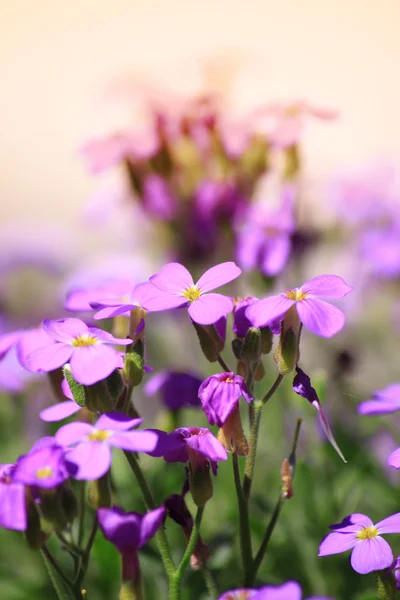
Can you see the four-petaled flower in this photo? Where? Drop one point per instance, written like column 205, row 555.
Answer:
column 175, row 288
column 44, row 466
column 220, row 394
column 317, row 315
column 90, row 456
column 370, row 551
column 87, row 349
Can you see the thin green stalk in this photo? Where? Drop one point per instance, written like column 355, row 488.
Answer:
column 62, row 585
column 223, row 364
column 161, row 537
column 82, row 509
column 244, row 525
column 273, row 389
column 255, row 427
column 176, row 580
column 210, row 583
column 275, row 515
column 251, row 457
column 85, row 561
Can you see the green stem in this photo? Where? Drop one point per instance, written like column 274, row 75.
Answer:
column 176, row 580
column 223, row 364
column 251, row 457
column 384, row 588
column 85, row 561
column 255, row 427
column 275, row 515
column 265, row 541
column 82, row 509
column 244, row 526
column 62, row 585
column 273, row 389
column 210, row 583
column 161, row 537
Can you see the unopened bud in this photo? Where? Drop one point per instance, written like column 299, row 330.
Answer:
column 237, row 346
column 69, row 501
column 251, row 349
column 210, row 342
column 287, row 353
column 77, row 389
column 286, row 477
column 52, row 509
column 241, row 369
column 98, row 398
column 133, row 368
column 260, row 372
column 34, row 535
column 231, row 434
column 99, row 492
column 115, row 384
column 266, row 340
column 200, row 484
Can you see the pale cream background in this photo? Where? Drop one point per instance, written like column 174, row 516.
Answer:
column 56, row 57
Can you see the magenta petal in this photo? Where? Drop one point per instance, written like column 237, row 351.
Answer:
column 47, row 358
column 59, row 411
column 116, row 421
column 327, row 286
column 352, row 523
column 90, row 364
column 64, row 330
column 378, row 407
column 262, row 312
column 327, row 430
column 389, row 525
column 73, row 432
column 394, row 459
column 135, row 441
column 112, row 311
column 7, row 340
column 334, row 543
column 208, row 446
column 13, row 509
column 288, row 591
column 173, row 278
column 107, row 338
column 218, row 276
column 249, row 246
column 161, row 300
column 89, row 460
column 150, row 524
column 370, row 555
column 208, row 309
column 320, row 317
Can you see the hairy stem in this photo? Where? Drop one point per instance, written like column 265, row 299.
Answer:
column 223, row 364
column 244, row 526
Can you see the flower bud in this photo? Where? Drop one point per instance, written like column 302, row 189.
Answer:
column 133, row 368
column 237, row 346
column 251, row 349
column 69, row 501
column 266, row 340
column 99, row 492
column 210, row 342
column 115, row 384
column 98, row 398
column 77, row 389
column 52, row 509
column 260, row 372
column 231, row 434
column 287, row 353
column 200, row 483
column 34, row 535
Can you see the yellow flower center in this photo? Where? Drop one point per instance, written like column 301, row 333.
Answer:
column 99, row 435
column 44, row 473
column 297, row 294
column 84, row 340
column 192, row 293
column 367, row 533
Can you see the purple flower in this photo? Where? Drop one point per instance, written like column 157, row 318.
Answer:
column 395, row 569
column 287, row 591
column 129, row 532
column 194, row 444
column 61, row 410
column 383, row 401
column 79, row 299
column 90, row 456
column 302, row 386
column 265, row 240
column 241, row 323
column 370, row 551
column 12, row 501
column 220, row 394
column 177, row 389
column 43, row 467
column 71, row 340
column 320, row 317
column 176, row 289
column 122, row 304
